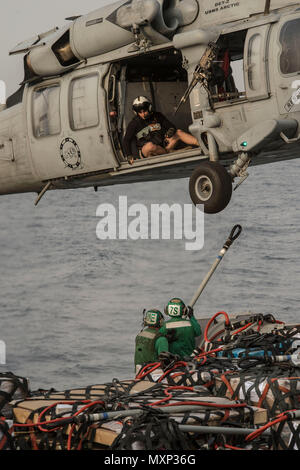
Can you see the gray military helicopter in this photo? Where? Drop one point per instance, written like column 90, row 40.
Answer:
column 226, row 71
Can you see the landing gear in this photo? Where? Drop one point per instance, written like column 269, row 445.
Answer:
column 211, row 185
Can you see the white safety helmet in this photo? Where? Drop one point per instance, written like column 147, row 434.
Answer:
column 142, row 103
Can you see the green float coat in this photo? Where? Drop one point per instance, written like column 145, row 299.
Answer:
column 186, row 330
column 149, row 344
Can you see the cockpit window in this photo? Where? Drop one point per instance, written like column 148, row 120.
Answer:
column 290, row 40
column 46, row 114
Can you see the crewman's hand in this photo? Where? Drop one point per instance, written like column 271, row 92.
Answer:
column 130, row 159
column 170, row 133
column 166, row 358
column 189, row 311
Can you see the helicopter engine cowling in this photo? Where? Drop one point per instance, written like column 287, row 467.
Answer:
column 107, row 29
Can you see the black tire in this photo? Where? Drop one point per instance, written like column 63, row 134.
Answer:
column 211, row 185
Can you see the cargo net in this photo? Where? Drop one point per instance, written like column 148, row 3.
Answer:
column 152, row 431
column 156, row 431
column 11, row 387
column 133, row 415
column 240, row 390
column 256, row 360
column 6, row 439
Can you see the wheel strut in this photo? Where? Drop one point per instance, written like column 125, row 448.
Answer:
column 239, row 168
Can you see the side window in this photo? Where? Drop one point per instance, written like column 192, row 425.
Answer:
column 237, row 67
column 290, row 40
column 84, row 102
column 254, row 62
column 228, row 69
column 46, row 114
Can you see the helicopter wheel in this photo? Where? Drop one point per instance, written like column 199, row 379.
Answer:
column 211, row 185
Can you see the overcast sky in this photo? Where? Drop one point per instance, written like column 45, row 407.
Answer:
column 20, row 20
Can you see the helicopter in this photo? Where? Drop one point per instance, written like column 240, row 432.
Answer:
column 225, row 71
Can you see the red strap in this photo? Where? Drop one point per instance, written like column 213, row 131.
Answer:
column 226, row 64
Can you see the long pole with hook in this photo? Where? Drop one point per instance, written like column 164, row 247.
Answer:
column 234, row 234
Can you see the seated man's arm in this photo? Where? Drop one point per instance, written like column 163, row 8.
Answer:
column 166, row 124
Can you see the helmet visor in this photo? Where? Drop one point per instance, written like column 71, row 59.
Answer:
column 141, row 107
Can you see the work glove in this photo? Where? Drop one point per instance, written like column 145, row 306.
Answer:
column 171, row 335
column 170, row 133
column 189, row 311
column 166, row 358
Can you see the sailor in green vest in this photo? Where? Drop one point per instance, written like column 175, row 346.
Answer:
column 149, row 342
column 182, row 328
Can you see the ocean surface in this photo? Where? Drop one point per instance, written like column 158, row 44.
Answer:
column 71, row 304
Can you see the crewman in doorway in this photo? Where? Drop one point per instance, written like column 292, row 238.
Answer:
column 153, row 133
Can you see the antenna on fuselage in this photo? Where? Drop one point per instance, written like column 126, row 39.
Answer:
column 267, row 7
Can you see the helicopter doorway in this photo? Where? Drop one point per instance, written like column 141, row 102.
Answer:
column 158, row 76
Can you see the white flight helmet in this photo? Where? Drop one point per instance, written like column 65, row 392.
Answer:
column 140, row 103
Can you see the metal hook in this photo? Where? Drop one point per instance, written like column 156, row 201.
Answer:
column 238, row 229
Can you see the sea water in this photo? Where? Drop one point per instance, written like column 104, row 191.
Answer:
column 71, row 305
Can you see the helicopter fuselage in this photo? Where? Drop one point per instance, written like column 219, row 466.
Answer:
column 64, row 127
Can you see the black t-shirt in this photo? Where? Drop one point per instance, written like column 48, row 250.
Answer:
column 152, row 129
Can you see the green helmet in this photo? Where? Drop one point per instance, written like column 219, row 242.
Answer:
column 175, row 308
column 153, row 318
